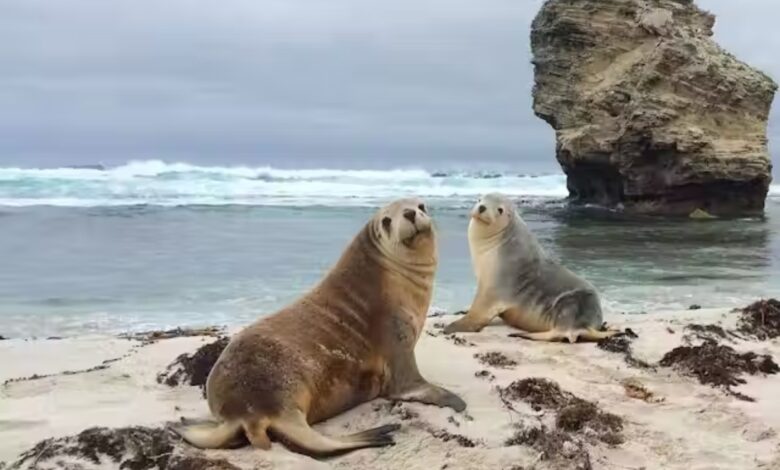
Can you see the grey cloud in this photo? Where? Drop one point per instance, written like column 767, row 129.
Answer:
column 324, row 83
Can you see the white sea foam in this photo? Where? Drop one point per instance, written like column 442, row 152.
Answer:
column 159, row 183
column 173, row 184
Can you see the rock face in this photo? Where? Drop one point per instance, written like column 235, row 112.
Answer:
column 650, row 113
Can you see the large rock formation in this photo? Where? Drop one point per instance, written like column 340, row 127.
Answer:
column 649, row 112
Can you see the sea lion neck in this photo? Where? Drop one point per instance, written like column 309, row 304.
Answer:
column 419, row 275
column 518, row 236
column 480, row 243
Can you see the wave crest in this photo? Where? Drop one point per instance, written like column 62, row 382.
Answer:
column 172, row 184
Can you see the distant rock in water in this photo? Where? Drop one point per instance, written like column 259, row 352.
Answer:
column 650, row 113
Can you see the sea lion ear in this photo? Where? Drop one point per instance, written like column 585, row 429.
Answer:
column 386, row 224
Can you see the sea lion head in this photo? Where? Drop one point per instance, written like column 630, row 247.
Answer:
column 492, row 214
column 405, row 229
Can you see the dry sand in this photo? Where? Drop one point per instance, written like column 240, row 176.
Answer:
column 685, row 425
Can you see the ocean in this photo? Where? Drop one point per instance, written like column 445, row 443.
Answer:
column 151, row 245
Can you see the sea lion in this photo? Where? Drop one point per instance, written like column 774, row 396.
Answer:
column 519, row 282
column 349, row 340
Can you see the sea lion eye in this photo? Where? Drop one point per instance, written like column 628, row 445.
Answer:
column 386, row 224
column 421, row 207
column 500, row 210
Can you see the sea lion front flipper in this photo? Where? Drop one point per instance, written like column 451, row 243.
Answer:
column 481, row 312
column 432, row 395
column 407, row 384
column 467, row 324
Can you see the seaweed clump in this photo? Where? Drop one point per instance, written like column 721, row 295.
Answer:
column 447, row 436
column 718, row 365
column 573, row 414
column 131, row 448
column 495, row 359
column 553, row 445
column 396, row 408
column 705, row 332
column 621, row 344
column 199, row 463
column 193, row 369
column 156, row 335
column 484, row 374
column 539, row 393
column 761, row 319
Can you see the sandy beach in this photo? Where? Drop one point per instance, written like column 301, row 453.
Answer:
column 515, row 419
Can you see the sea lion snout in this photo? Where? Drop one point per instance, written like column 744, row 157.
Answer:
column 406, row 221
column 491, row 208
column 418, row 223
column 481, row 214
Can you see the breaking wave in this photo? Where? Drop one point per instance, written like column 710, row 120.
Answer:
column 177, row 184
column 158, row 183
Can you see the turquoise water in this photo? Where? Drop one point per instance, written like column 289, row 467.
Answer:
column 113, row 253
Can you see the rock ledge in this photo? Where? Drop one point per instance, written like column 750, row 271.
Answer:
column 650, row 114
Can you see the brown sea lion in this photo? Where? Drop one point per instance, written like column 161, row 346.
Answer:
column 349, row 340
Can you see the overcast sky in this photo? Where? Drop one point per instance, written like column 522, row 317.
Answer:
column 291, row 82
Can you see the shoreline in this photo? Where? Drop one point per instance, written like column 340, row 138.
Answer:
column 667, row 418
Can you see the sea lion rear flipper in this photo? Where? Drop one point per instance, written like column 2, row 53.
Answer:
column 293, row 429
column 433, row 395
column 211, row 435
column 591, row 334
column 552, row 336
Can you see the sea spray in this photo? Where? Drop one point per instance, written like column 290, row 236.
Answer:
column 176, row 184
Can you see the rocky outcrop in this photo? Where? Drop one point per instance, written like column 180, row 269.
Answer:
column 650, row 114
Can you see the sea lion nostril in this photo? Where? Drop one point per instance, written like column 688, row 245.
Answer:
column 410, row 215
column 481, row 208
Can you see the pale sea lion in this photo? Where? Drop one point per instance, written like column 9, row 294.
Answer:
column 519, row 282
column 349, row 340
